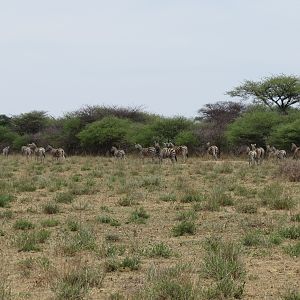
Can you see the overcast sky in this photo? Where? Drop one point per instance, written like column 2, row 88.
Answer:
column 168, row 56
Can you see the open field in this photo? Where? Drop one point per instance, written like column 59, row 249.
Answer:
column 98, row 228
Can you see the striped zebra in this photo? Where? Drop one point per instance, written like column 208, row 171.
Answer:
column 165, row 153
column 146, row 152
column 273, row 152
column 117, row 153
column 296, row 151
column 252, row 157
column 39, row 152
column 5, row 151
column 181, row 150
column 25, row 150
column 57, row 153
column 213, row 151
column 260, row 153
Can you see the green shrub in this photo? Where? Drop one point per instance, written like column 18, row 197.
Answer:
column 5, row 200
column 23, row 224
column 184, row 227
column 139, row 216
column 51, row 208
column 64, row 197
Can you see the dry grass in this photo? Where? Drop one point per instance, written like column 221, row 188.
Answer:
column 142, row 230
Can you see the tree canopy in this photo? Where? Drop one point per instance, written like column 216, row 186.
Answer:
column 276, row 91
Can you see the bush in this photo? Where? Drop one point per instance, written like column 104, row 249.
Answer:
column 5, row 200
column 159, row 250
column 23, row 224
column 65, row 197
column 76, row 283
column 185, row 227
column 51, row 208
column 139, row 216
column 290, row 170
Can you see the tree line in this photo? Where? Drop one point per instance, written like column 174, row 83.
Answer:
column 266, row 112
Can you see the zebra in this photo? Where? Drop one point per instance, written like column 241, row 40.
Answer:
column 39, row 152
column 252, row 157
column 260, row 153
column 296, row 151
column 165, row 153
column 27, row 151
column 181, row 150
column 243, row 149
column 5, row 151
column 56, row 153
column 212, row 150
column 146, row 152
column 273, row 152
column 117, row 153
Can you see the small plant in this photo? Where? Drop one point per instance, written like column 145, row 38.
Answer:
column 253, row 238
column 108, row 220
column 222, row 263
column 176, row 283
column 159, row 250
column 275, row 238
column 247, row 208
column 132, row 263
column 76, row 283
column 5, row 200
column 49, row 223
column 291, row 294
column 293, row 250
column 51, row 208
column 296, row 218
column 292, row 232
column 84, row 239
column 168, row 197
column 139, row 216
column 64, row 197
column 29, row 241
column 184, row 227
column 73, row 225
column 192, row 196
column 7, row 214
column 23, row 224
column 127, row 201
column 188, row 215
column 112, row 265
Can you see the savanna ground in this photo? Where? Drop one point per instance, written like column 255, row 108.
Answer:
column 97, row 228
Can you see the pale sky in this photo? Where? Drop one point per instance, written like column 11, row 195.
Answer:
column 169, row 56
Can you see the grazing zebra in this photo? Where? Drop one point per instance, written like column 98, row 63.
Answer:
column 212, row 150
column 39, row 152
column 146, row 152
column 165, row 153
column 252, row 157
column 5, row 151
column 260, row 153
column 117, row 153
column 56, row 153
column 296, row 151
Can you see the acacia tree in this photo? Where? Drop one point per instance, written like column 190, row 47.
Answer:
column 276, row 91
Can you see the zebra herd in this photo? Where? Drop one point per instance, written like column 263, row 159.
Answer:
column 38, row 152
column 168, row 151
